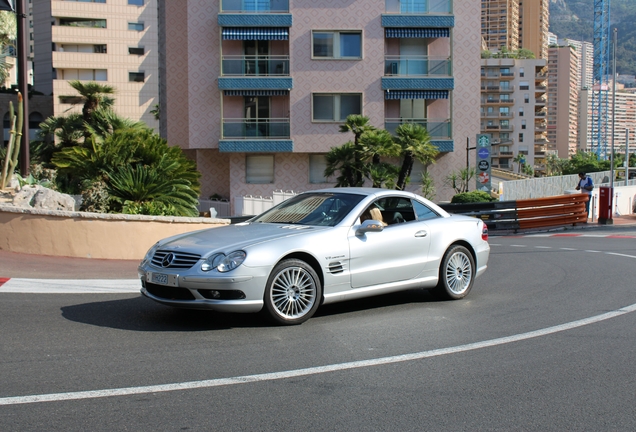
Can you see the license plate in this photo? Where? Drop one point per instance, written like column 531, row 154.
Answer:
column 162, row 279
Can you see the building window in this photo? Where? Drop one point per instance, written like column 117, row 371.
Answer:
column 136, row 50
column 136, row 76
column 83, row 74
column 520, row 137
column 83, row 22
column 524, row 85
column 520, row 112
column 521, row 72
column 335, row 107
column 523, row 124
column 413, row 6
column 337, row 44
column 136, row 26
column 99, row 49
column 136, row 2
column 317, row 165
column 259, row 169
column 526, row 98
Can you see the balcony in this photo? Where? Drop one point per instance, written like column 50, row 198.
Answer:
column 249, row 129
column 505, row 154
column 255, row 13
column 499, row 102
column 417, row 66
column 541, row 102
column 419, row 7
column 437, row 128
column 255, row 6
column 255, row 66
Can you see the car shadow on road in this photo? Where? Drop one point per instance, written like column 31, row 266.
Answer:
column 141, row 315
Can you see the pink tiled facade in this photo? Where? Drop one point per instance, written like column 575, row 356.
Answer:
column 194, row 107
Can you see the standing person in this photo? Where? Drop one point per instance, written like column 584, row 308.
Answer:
column 586, row 186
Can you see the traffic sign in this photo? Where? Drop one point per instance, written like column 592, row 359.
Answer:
column 483, row 153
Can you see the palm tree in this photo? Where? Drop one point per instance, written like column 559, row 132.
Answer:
column 415, row 143
column 358, row 124
column 373, row 145
column 94, row 95
column 342, row 160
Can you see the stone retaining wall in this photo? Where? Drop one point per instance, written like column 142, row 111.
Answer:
column 90, row 235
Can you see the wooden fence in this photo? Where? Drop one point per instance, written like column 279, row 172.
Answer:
column 528, row 213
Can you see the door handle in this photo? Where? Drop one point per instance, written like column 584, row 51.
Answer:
column 421, row 233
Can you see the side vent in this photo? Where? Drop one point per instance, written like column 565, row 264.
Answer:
column 335, row 267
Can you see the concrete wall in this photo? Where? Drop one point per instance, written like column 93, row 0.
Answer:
column 90, row 235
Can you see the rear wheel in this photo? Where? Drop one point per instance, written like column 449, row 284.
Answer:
column 293, row 292
column 456, row 274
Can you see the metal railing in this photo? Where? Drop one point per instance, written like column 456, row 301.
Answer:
column 419, row 6
column 255, row 65
column 241, row 128
column 255, row 6
column 417, row 66
column 437, row 128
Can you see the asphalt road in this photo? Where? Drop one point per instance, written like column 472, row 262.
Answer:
column 545, row 341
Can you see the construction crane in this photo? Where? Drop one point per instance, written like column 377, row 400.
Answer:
column 600, row 89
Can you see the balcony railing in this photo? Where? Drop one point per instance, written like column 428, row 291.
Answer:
column 241, row 128
column 416, row 66
column 255, row 65
column 255, row 6
column 418, row 7
column 437, row 128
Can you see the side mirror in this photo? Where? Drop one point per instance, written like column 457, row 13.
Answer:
column 369, row 226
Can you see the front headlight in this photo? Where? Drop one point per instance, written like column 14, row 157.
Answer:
column 224, row 263
column 150, row 253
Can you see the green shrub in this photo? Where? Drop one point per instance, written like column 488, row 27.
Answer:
column 472, row 197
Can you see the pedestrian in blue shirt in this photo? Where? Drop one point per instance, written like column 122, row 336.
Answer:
column 586, row 186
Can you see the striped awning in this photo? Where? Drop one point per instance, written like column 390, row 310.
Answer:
column 417, row 32
column 416, row 94
column 256, row 92
column 255, row 33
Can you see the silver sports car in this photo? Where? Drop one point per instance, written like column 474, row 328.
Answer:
column 316, row 248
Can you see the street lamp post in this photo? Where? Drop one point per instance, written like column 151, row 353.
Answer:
column 23, row 83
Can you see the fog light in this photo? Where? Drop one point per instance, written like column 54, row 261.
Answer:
column 215, row 294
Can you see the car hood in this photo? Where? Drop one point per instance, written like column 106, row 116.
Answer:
column 233, row 237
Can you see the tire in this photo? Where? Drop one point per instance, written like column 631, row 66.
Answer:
column 456, row 273
column 293, row 293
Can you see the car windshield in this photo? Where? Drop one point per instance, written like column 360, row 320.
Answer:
column 323, row 209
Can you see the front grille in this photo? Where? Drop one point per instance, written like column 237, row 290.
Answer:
column 168, row 293
column 174, row 260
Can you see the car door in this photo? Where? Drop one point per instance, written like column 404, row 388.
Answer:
column 399, row 252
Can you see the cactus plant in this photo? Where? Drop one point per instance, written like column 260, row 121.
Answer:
column 15, row 137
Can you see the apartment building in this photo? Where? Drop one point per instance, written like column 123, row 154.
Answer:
column 534, row 21
column 256, row 91
column 112, row 42
column 515, row 24
column 513, row 110
column 625, row 119
column 585, row 51
column 563, row 100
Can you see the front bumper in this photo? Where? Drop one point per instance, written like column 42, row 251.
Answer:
column 241, row 292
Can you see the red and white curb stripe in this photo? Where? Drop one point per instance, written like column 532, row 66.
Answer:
column 611, row 236
column 65, row 286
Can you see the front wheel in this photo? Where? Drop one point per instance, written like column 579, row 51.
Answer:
column 293, row 292
column 456, row 274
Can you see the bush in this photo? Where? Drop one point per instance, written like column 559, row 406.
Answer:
column 472, row 197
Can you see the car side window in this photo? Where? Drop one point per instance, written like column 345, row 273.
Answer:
column 396, row 210
column 423, row 212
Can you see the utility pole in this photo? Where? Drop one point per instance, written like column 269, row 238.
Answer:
column 23, row 83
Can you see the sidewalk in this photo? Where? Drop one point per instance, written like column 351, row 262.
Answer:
column 64, row 274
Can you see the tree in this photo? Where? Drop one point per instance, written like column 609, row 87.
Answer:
column 520, row 159
column 415, row 143
column 373, row 145
column 460, row 180
column 8, row 32
column 343, row 160
column 357, row 124
column 94, row 96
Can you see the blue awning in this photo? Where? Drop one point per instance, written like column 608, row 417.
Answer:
column 255, row 33
column 417, row 32
column 416, row 94
column 256, row 92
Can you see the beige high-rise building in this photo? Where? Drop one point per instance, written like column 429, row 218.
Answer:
column 513, row 110
column 112, row 42
column 585, row 51
column 515, row 24
column 563, row 97
column 534, row 17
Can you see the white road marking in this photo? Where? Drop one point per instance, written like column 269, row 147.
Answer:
column 245, row 379
column 77, row 286
column 521, row 246
column 619, row 254
column 593, row 251
column 543, row 247
column 568, row 249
